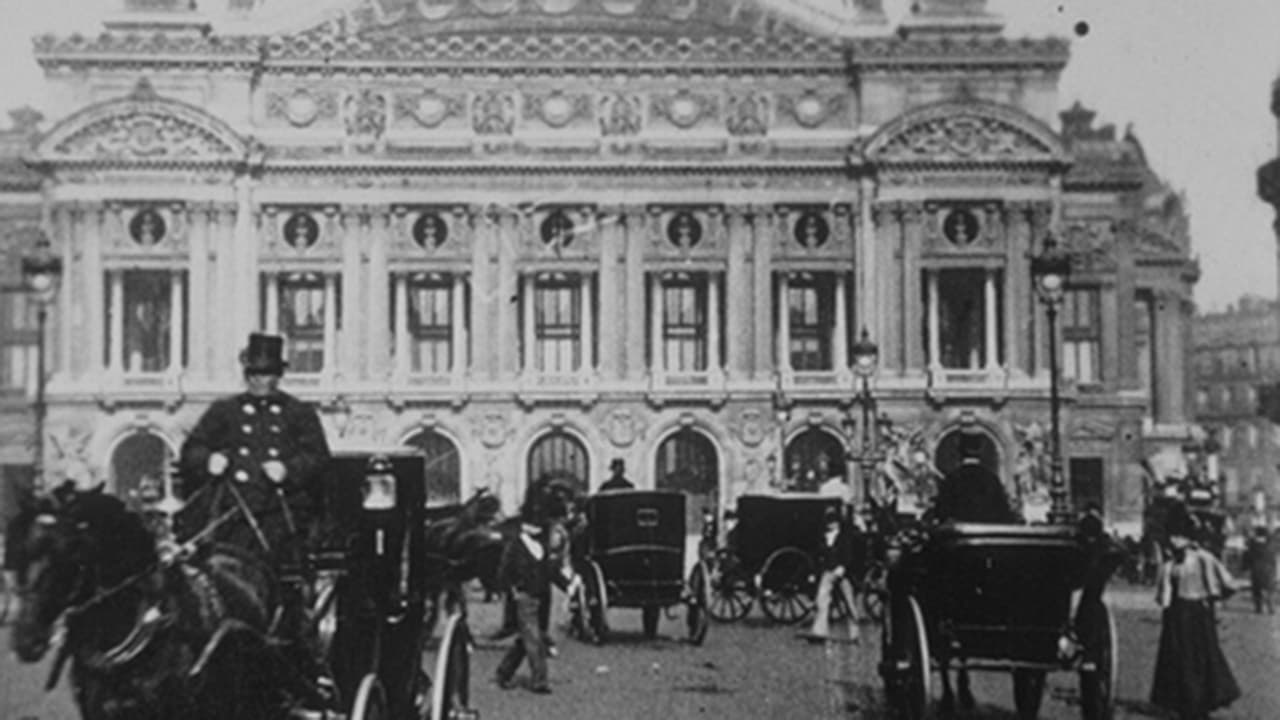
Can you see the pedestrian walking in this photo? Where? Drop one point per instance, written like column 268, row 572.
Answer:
column 524, row 573
column 1192, row 676
column 1260, row 560
column 834, row 556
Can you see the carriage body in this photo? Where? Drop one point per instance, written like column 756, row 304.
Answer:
column 1016, row 598
column 631, row 555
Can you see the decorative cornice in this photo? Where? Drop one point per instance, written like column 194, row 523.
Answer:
column 155, row 50
column 944, row 51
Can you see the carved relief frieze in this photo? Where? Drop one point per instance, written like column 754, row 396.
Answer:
column 815, row 230
column 685, row 108
column 493, row 113
column 747, row 115
column 962, row 227
column 1091, row 244
column 493, row 429
column 430, row 108
column 144, row 136
column 621, row 114
column 752, row 427
column 293, row 233
column 686, row 232
column 142, row 231
column 365, row 118
column 557, row 108
column 559, row 231
column 302, row 107
column 962, row 137
column 429, row 231
column 623, row 426
column 811, row 109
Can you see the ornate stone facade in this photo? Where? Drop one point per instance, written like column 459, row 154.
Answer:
column 547, row 232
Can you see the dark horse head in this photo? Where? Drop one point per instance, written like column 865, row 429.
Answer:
column 72, row 545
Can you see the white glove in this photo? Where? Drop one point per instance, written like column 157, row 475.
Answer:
column 575, row 584
column 217, row 464
column 275, row 471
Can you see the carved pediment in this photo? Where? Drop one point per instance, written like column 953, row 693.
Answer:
column 142, row 127
column 965, row 132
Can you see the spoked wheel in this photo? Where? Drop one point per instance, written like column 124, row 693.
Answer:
column 371, row 700
column 907, row 675
column 731, row 592
column 784, row 582
column 874, row 590
column 1098, row 674
column 1028, row 692
column 451, row 688
column 597, row 597
column 697, row 602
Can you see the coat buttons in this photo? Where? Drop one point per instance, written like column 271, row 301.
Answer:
column 244, row 451
column 248, row 409
column 275, row 409
column 273, row 452
column 246, row 428
column 242, row 476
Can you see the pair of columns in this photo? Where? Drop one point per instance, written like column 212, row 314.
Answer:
column 839, row 329
column 990, row 312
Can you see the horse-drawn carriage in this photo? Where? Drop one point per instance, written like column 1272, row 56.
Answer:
column 199, row 630
column 632, row 555
column 1023, row 599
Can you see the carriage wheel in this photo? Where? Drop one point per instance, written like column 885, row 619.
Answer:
column 874, row 591
column 597, row 602
column 784, row 582
column 649, row 615
column 731, row 592
column 451, row 691
column 371, row 699
column 699, row 599
column 1028, row 692
column 1099, row 676
column 907, row 676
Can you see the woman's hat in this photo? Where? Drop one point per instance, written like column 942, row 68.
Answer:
column 264, row 354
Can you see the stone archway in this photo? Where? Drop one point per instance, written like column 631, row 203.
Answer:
column 686, row 461
column 813, row 457
column 443, row 474
column 558, row 454
column 139, row 463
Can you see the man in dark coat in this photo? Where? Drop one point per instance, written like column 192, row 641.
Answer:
column 971, row 492
column 526, row 571
column 618, row 478
column 270, row 446
column 834, row 558
column 1260, row 561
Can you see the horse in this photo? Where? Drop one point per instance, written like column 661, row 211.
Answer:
column 458, row 539
column 146, row 638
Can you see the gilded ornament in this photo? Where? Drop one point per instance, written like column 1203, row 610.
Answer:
column 366, row 115
column 621, row 427
column 685, row 109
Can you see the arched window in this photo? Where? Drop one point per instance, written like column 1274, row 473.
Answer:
column 560, row 455
column 138, row 466
column 813, row 457
column 443, row 470
column 947, row 455
column 687, row 462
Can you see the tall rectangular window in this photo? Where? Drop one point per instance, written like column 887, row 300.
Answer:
column 1144, row 346
column 303, row 303
column 811, row 313
column 684, row 323
column 430, row 322
column 147, row 320
column 1081, row 321
column 962, row 318
column 18, row 340
column 557, row 318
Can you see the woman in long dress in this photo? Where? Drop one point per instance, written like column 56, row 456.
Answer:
column 1192, row 677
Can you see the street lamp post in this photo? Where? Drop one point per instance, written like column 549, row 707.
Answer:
column 41, row 273
column 1050, row 270
column 865, row 359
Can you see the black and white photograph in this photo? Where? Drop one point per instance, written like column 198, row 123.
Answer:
column 635, row 359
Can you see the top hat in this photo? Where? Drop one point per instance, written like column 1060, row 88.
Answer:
column 264, row 354
column 971, row 444
column 617, row 464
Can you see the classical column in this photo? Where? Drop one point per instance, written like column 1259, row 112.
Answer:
column 482, row 292
column 244, row 298
column 913, row 234
column 737, row 293
column 657, row 367
column 587, row 363
column 94, row 291
column 197, row 310
column 1170, row 384
column 840, row 326
column 1019, row 302
column 612, row 319
column 529, row 338
column 885, row 288
column 271, row 322
column 1037, row 222
column 508, row 333
column 115, row 349
column 225, row 321
column 714, row 366
column 458, row 325
column 375, row 322
column 355, row 223
column 933, row 328
column 400, row 283
column 635, row 235
column 65, row 223
column 990, row 313
column 783, row 350
column 867, row 309
column 177, row 315
column 330, row 324
column 762, row 236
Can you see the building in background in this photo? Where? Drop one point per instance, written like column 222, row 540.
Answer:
column 1237, row 354
column 532, row 237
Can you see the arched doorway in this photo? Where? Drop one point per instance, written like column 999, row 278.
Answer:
column 813, row 457
column 443, row 475
column 560, row 455
column 686, row 461
column 139, row 464
column 947, row 455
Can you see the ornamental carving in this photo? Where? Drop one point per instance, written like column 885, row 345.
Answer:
column 620, row 114
column 961, row 138
column 557, row 109
column 144, row 136
column 748, row 115
column 493, row 113
column 622, row 427
column 752, row 427
column 685, row 108
column 366, row 116
column 810, row 109
column 1090, row 243
column 302, row 107
column 493, row 430
column 430, row 108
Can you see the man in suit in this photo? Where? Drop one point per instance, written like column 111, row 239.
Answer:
column 618, row 478
column 834, row 558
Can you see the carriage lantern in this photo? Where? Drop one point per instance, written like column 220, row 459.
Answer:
column 1050, row 270
column 41, row 273
column 379, row 491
